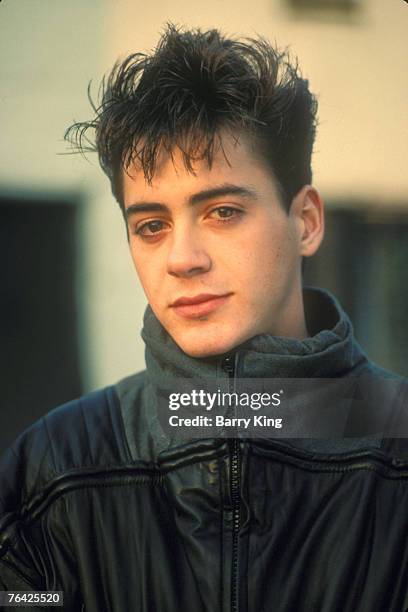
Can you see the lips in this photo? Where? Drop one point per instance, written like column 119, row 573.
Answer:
column 199, row 305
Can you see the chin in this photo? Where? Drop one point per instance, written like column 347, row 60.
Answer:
column 201, row 350
column 200, row 353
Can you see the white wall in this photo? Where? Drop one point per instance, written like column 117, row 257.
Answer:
column 49, row 51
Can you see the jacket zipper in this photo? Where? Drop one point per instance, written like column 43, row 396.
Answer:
column 235, row 488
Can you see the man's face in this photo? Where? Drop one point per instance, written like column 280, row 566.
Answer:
column 216, row 253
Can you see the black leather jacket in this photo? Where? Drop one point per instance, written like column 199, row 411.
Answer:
column 97, row 501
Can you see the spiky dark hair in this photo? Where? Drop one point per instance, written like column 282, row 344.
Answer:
column 195, row 84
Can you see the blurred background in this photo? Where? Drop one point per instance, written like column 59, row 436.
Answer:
column 70, row 305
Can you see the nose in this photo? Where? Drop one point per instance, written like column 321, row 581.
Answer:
column 187, row 256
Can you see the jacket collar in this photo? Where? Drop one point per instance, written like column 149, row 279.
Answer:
column 330, row 351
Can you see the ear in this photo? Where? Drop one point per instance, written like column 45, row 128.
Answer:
column 307, row 209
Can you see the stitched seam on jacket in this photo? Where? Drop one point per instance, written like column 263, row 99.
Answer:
column 50, row 443
column 291, row 454
column 113, row 402
column 388, row 472
column 31, row 516
column 86, row 430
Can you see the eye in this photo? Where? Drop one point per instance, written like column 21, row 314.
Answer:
column 225, row 213
column 150, row 228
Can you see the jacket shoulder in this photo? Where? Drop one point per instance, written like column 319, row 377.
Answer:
column 144, row 434
column 83, row 434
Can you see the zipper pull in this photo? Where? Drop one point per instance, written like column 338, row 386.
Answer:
column 227, row 365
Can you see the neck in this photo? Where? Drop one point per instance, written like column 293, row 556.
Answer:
column 292, row 323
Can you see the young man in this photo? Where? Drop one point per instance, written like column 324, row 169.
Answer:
column 207, row 144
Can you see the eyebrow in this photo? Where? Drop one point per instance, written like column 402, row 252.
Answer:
column 196, row 198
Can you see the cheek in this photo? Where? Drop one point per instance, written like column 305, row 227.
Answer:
column 265, row 264
column 258, row 259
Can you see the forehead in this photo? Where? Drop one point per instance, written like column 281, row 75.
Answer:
column 234, row 162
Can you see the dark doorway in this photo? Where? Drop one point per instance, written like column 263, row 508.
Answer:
column 39, row 357
column 364, row 261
